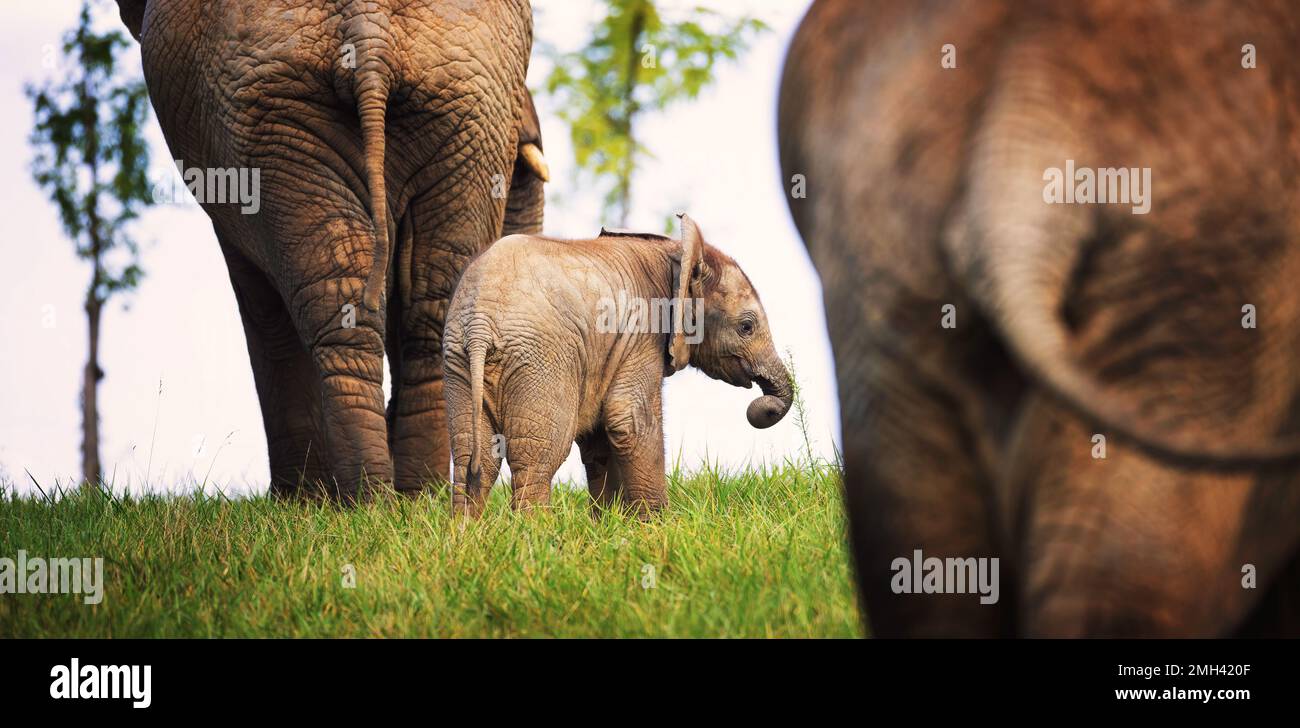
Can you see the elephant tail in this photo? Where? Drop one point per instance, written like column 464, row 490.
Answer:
column 1016, row 256
column 477, row 349
column 372, row 106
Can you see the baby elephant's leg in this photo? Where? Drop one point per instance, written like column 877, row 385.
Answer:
column 468, row 498
column 636, row 439
column 532, row 466
column 539, row 436
column 603, row 480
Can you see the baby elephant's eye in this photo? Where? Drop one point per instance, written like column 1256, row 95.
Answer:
column 746, row 328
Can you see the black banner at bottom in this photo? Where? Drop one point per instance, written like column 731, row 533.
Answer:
column 210, row 678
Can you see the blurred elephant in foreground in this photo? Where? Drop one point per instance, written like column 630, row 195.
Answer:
column 391, row 142
column 1059, row 248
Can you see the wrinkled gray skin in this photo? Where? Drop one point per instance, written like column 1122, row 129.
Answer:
column 529, row 356
column 380, row 179
column 925, row 189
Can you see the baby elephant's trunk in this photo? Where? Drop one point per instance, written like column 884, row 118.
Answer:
column 778, row 393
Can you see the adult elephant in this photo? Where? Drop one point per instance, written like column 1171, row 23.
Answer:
column 395, row 139
column 986, row 331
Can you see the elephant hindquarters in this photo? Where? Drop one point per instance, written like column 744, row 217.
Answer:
column 355, row 115
column 1122, row 545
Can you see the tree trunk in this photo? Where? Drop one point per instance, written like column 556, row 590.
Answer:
column 90, row 468
column 631, row 109
column 90, row 465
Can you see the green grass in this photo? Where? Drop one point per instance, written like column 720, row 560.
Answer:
column 751, row 554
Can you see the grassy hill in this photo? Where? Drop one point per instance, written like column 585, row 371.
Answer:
column 748, row 554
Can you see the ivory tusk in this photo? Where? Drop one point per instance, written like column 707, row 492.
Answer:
column 532, row 155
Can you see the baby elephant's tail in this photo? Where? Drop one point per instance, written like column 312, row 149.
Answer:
column 477, row 349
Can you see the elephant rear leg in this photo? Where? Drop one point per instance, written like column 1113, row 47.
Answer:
column 1130, row 546
column 287, row 386
column 448, row 225
column 539, row 436
column 469, row 498
column 325, row 278
column 914, row 482
column 603, row 479
column 419, row 434
column 533, row 465
column 313, row 226
column 417, row 412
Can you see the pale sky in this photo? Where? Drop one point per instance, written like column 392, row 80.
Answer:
column 715, row 158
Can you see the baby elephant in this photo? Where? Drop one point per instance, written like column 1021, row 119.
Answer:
column 551, row 341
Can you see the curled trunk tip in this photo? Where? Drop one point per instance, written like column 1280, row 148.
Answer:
column 778, row 394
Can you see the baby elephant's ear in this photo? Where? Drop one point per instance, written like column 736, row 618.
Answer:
column 692, row 252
